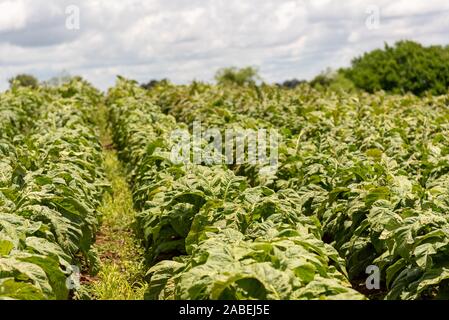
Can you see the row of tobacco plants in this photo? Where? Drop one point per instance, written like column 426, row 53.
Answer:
column 51, row 183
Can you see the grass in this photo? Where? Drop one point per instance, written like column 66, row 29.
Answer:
column 121, row 268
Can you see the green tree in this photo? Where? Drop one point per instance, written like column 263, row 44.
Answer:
column 153, row 83
column 24, row 80
column 62, row 78
column 241, row 77
column 405, row 67
column 335, row 80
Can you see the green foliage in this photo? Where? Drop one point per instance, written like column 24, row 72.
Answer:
column 371, row 168
column 405, row 67
column 51, row 184
column 24, row 80
column 333, row 80
column 363, row 179
column 291, row 84
column 240, row 77
column 229, row 240
column 153, row 83
column 60, row 79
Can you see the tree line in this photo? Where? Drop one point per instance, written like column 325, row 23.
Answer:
column 405, row 67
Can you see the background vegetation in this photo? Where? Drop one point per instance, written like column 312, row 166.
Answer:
column 405, row 67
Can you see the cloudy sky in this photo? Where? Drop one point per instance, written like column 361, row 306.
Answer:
column 190, row 39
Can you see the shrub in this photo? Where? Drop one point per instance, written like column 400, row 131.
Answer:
column 24, row 80
column 405, row 67
column 333, row 80
column 153, row 83
column 241, row 77
column 291, row 84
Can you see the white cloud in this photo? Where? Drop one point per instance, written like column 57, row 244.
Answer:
column 414, row 7
column 13, row 15
column 183, row 40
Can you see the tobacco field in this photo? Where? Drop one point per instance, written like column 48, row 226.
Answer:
column 362, row 180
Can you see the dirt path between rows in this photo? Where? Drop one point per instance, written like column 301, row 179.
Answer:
column 121, row 257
